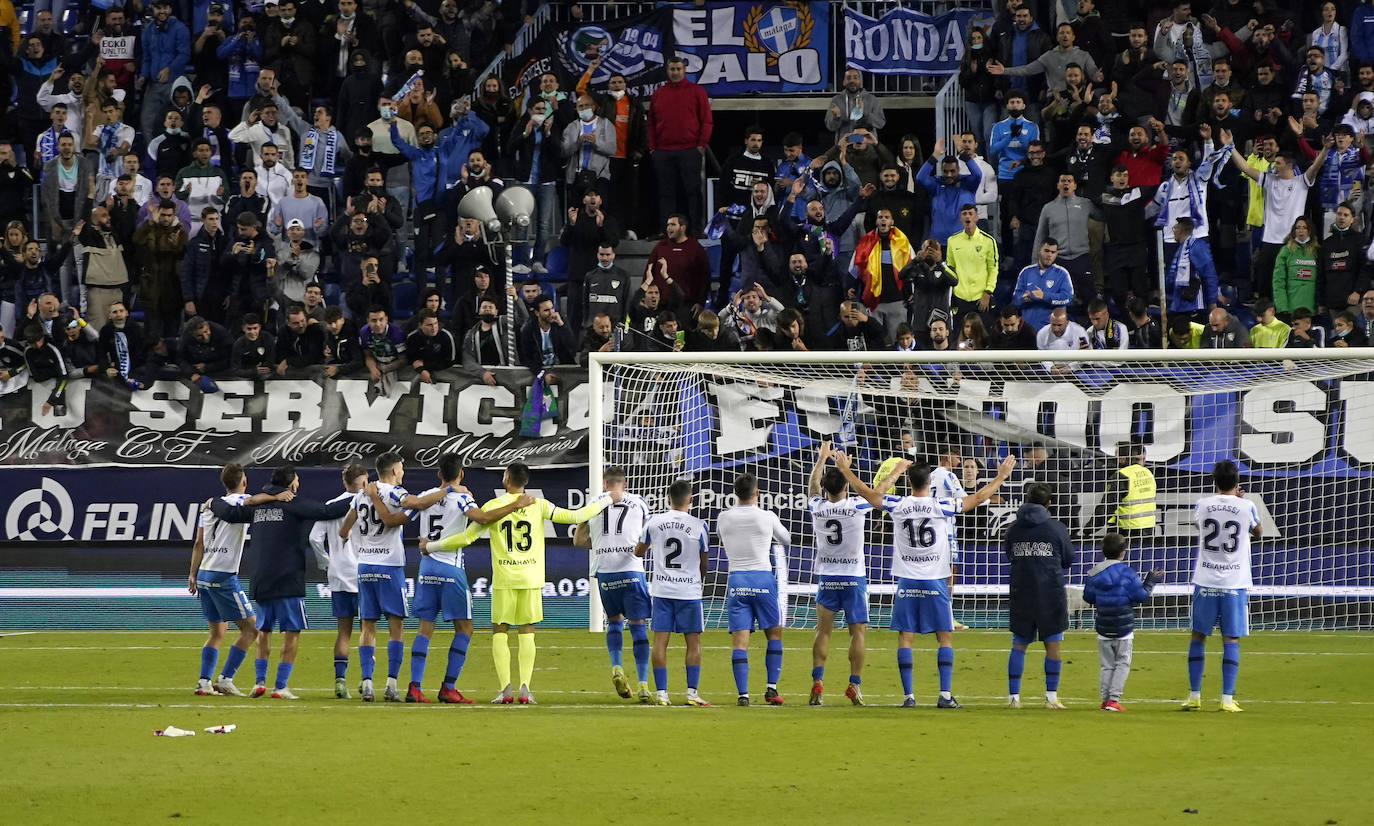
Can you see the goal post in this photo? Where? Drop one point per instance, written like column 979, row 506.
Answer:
column 1299, row 423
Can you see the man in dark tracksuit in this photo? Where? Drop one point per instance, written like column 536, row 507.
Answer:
column 281, row 545
column 1040, row 552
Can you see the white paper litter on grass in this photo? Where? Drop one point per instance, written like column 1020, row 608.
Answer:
column 173, row 731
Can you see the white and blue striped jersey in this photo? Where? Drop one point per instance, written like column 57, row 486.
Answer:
column 944, row 484
column 920, row 544
column 336, row 553
column 614, row 534
column 445, row 518
column 747, row 532
column 839, row 529
column 374, row 542
column 223, row 541
column 676, row 540
column 1223, row 541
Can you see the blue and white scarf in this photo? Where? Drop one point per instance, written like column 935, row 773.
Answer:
column 1341, row 170
column 47, row 143
column 1194, row 53
column 121, row 343
column 109, row 139
column 1196, row 182
column 331, row 148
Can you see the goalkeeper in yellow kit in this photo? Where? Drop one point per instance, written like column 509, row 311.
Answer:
column 517, row 572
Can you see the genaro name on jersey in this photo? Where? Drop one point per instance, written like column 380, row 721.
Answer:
column 1223, row 524
column 920, row 535
column 676, row 541
column 222, row 541
column 614, row 533
column 443, row 519
column 839, row 531
column 375, row 543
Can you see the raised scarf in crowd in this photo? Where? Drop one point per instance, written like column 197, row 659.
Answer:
column 1194, row 53
column 331, row 148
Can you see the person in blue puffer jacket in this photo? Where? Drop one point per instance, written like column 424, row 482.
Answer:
column 1114, row 589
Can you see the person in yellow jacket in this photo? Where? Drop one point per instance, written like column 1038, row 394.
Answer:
column 972, row 253
column 517, row 571
column 1129, row 503
column 10, row 21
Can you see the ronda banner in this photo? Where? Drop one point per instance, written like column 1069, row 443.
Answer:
column 305, row 422
column 905, row 42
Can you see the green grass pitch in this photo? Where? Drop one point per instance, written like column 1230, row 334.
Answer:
column 78, row 710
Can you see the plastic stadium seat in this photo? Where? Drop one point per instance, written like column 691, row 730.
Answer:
column 713, row 256
column 556, row 262
column 333, row 295
column 403, row 297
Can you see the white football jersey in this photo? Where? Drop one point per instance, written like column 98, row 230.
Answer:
column 373, row 542
column 945, row 485
column 1223, row 541
column 336, row 553
column 614, row 534
column 839, row 529
column 676, row 542
column 445, row 518
column 747, row 532
column 223, row 540
column 920, row 544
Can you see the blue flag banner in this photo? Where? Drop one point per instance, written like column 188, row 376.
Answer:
column 905, row 42
column 733, row 48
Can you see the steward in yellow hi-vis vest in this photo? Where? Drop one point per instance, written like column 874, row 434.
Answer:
column 1130, row 497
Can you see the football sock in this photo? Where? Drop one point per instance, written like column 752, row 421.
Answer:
column 208, row 657
column 944, row 663
column 693, row 677
column 904, row 668
column 395, row 652
column 739, row 664
column 283, row 674
column 259, row 672
column 367, row 659
column 639, row 633
column 526, row 658
column 817, row 672
column 1052, row 674
column 854, row 679
column 340, row 666
column 772, row 661
column 615, row 640
column 457, row 656
column 500, row 656
column 1016, row 663
column 1230, row 664
column 1196, row 659
column 232, row 662
column 661, row 678
column 419, row 652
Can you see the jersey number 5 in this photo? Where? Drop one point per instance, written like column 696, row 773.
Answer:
column 1214, row 530
column 518, row 536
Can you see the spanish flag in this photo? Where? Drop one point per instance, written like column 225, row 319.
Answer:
column 867, row 267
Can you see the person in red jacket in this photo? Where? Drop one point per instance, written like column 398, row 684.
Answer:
column 679, row 129
column 680, row 258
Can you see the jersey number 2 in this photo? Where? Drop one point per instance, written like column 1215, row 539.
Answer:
column 676, row 550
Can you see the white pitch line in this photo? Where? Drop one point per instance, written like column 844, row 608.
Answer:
column 871, row 648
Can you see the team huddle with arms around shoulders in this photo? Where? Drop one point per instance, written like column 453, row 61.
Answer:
column 356, row 536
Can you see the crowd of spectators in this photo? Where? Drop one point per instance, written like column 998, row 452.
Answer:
column 271, row 188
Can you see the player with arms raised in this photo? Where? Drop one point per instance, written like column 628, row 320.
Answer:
column 442, row 586
column 921, row 565
column 517, row 571
column 945, row 484
column 214, row 578
column 748, row 532
column 677, row 586
column 620, row 577
column 838, row 520
column 1225, row 523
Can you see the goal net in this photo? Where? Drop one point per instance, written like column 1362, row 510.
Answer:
column 1299, row 424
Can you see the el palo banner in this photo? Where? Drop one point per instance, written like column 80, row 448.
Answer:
column 905, row 42
column 305, row 422
column 734, row 48
column 637, row 47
